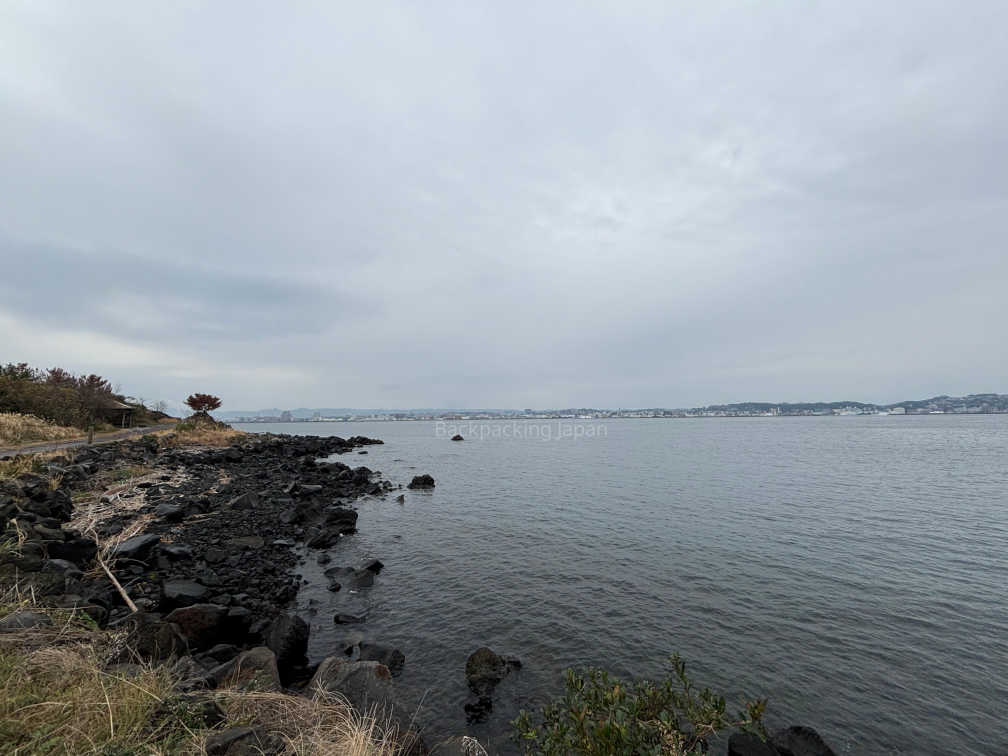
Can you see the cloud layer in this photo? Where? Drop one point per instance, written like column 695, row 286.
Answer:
column 484, row 205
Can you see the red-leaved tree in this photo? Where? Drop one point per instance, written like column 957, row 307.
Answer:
column 203, row 403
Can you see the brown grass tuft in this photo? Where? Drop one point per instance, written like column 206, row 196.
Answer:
column 325, row 725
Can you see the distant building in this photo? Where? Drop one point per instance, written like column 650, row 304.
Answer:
column 897, row 411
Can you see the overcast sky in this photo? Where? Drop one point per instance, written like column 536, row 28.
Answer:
column 507, row 204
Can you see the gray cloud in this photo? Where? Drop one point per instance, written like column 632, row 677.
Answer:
column 523, row 206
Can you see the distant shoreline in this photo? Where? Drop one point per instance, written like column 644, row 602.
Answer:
column 583, row 418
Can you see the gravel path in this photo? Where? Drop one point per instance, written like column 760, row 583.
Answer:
column 102, row 438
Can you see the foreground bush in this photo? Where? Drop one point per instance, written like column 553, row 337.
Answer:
column 602, row 716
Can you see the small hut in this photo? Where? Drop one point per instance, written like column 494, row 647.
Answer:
column 116, row 413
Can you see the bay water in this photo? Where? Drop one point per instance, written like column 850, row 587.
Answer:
column 852, row 570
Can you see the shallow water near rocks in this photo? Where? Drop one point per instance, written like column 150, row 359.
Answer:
column 853, row 570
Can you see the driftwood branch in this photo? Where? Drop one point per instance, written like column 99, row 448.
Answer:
column 122, row 591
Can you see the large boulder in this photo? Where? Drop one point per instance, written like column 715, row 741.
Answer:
column 800, row 741
column 252, row 670
column 153, row 639
column 287, row 637
column 365, row 684
column 203, row 625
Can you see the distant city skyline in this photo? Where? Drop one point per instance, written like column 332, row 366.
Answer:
column 970, row 404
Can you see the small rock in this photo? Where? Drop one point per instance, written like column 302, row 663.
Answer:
column 137, row 548
column 457, row 437
column 182, row 592
column 421, row 481
column 247, row 542
column 170, row 512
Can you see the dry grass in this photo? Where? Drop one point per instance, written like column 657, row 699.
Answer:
column 26, row 463
column 322, row 726
column 17, row 429
column 200, row 433
column 62, row 700
column 58, row 695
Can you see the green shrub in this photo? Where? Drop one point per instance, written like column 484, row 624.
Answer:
column 603, row 716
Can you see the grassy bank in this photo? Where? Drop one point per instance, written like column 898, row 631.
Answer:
column 17, row 429
column 61, row 693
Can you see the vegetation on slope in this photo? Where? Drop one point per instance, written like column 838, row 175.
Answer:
column 63, row 398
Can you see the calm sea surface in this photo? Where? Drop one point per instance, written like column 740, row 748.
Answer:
column 853, row 570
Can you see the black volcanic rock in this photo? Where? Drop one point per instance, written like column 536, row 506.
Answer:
column 421, row 481
column 800, row 741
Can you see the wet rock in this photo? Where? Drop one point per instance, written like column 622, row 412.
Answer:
column 485, row 669
column 421, row 481
column 800, row 741
column 349, row 619
column 479, row 710
column 457, row 437
column 392, row 658
column 349, row 578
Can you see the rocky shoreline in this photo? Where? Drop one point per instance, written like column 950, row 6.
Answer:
column 192, row 554
column 204, row 545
